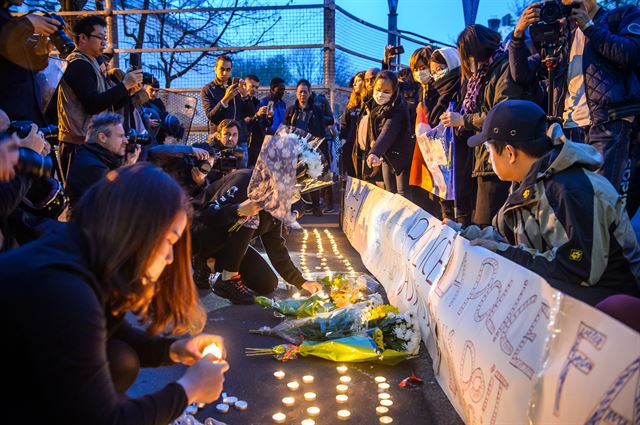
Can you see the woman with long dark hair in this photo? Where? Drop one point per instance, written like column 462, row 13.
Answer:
column 349, row 125
column 487, row 82
column 389, row 133
column 65, row 296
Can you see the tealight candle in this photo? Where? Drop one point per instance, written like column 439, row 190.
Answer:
column 307, row 379
column 345, row 379
column 308, row 422
column 288, row 401
column 230, row 400
column 342, row 369
column 279, row 417
column 383, row 386
column 213, row 350
column 386, row 403
column 279, row 374
column 381, row 410
column 384, row 396
column 222, row 408
column 380, row 379
column 313, row 410
column 342, row 388
column 344, row 414
column 241, row 405
column 386, row 419
column 293, row 385
column 342, row 398
column 310, row 396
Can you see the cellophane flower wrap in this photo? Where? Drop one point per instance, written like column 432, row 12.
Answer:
column 300, row 307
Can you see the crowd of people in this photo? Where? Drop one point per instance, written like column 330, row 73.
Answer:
column 120, row 219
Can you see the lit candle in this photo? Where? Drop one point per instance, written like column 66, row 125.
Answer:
column 345, row 379
column 308, row 422
column 384, row 396
column 342, row 388
column 380, row 379
column 296, row 296
column 342, row 369
column 293, row 385
column 313, row 410
column 310, row 396
column 279, row 374
column 279, row 417
column 342, row 398
column 386, row 403
column 381, row 410
column 344, row 414
column 307, row 379
column 386, row 419
column 288, row 401
column 212, row 349
column 383, row 386
column 230, row 400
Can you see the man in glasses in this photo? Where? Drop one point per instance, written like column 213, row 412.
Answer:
column 83, row 91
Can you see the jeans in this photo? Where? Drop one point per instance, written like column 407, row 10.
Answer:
column 612, row 140
column 395, row 183
column 490, row 196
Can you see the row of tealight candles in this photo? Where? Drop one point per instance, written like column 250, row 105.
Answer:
column 289, row 401
column 324, row 265
column 384, row 400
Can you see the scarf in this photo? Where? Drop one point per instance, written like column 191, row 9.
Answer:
column 478, row 79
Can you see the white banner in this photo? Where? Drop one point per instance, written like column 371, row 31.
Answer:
column 507, row 347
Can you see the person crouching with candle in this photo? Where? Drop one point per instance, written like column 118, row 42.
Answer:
column 72, row 352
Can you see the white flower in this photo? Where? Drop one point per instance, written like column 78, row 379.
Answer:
column 398, row 333
column 375, row 300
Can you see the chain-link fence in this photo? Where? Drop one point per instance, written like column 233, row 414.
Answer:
column 180, row 40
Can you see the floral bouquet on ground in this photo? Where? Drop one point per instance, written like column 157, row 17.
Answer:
column 299, row 307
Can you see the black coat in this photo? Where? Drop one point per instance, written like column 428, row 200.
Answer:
column 310, row 119
column 56, row 322
column 390, row 129
column 238, row 108
column 91, row 163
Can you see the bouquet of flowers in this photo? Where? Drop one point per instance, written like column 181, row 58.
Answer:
column 300, row 307
column 343, row 289
column 289, row 164
column 399, row 332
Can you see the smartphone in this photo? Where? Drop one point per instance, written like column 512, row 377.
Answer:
column 135, row 60
column 235, row 80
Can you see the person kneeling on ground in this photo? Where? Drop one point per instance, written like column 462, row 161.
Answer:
column 72, row 353
column 561, row 219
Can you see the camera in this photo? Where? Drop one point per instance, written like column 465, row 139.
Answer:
column 147, row 78
column 134, row 138
column 396, row 50
column 23, row 128
column 32, row 164
column 59, row 38
column 546, row 33
column 553, row 10
column 227, row 160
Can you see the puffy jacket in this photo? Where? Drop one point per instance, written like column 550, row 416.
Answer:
column 569, row 225
column 610, row 59
column 390, row 130
column 497, row 87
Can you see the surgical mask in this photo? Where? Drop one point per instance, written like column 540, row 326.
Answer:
column 438, row 75
column 423, row 76
column 381, row 98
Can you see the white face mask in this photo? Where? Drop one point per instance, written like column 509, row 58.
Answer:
column 422, row 77
column 380, row 97
column 438, row 75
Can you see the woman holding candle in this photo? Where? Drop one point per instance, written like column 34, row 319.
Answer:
column 65, row 296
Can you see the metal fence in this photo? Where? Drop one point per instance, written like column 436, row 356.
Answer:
column 180, row 40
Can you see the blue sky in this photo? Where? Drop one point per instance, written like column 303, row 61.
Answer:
column 442, row 20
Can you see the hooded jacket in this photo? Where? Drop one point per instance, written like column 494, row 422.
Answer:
column 446, row 89
column 569, row 225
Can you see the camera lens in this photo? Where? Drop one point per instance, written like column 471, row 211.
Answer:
column 550, row 11
column 31, row 163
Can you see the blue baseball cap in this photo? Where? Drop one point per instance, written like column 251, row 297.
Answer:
column 514, row 122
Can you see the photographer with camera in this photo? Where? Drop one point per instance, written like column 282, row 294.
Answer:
column 227, row 98
column 107, row 148
column 224, row 150
column 592, row 57
column 84, row 91
column 25, row 43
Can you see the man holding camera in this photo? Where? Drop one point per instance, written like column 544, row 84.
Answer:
column 596, row 91
column 107, row 148
column 221, row 100
column 24, row 50
column 83, row 90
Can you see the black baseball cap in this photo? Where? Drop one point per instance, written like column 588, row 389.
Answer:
column 515, row 122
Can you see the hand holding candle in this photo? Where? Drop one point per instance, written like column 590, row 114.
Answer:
column 189, row 350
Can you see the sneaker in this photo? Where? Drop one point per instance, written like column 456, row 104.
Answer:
column 317, row 211
column 234, row 290
column 201, row 273
column 329, row 210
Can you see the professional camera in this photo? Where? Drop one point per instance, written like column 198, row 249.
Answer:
column 201, row 164
column 23, row 128
column 147, row 78
column 396, row 50
column 546, row 33
column 32, row 164
column 134, row 138
column 46, row 198
column 59, row 38
column 554, row 10
column 227, row 160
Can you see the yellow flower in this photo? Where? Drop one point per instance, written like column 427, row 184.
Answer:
column 378, row 338
column 382, row 311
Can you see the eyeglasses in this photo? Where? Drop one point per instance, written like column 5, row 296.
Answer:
column 99, row 37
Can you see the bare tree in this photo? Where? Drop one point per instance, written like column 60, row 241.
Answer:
column 195, row 30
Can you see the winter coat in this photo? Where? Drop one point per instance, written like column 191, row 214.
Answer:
column 91, row 163
column 238, row 108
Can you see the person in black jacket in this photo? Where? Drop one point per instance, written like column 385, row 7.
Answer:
column 389, row 130
column 349, row 126
column 105, row 151
column 222, row 99
column 65, row 296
